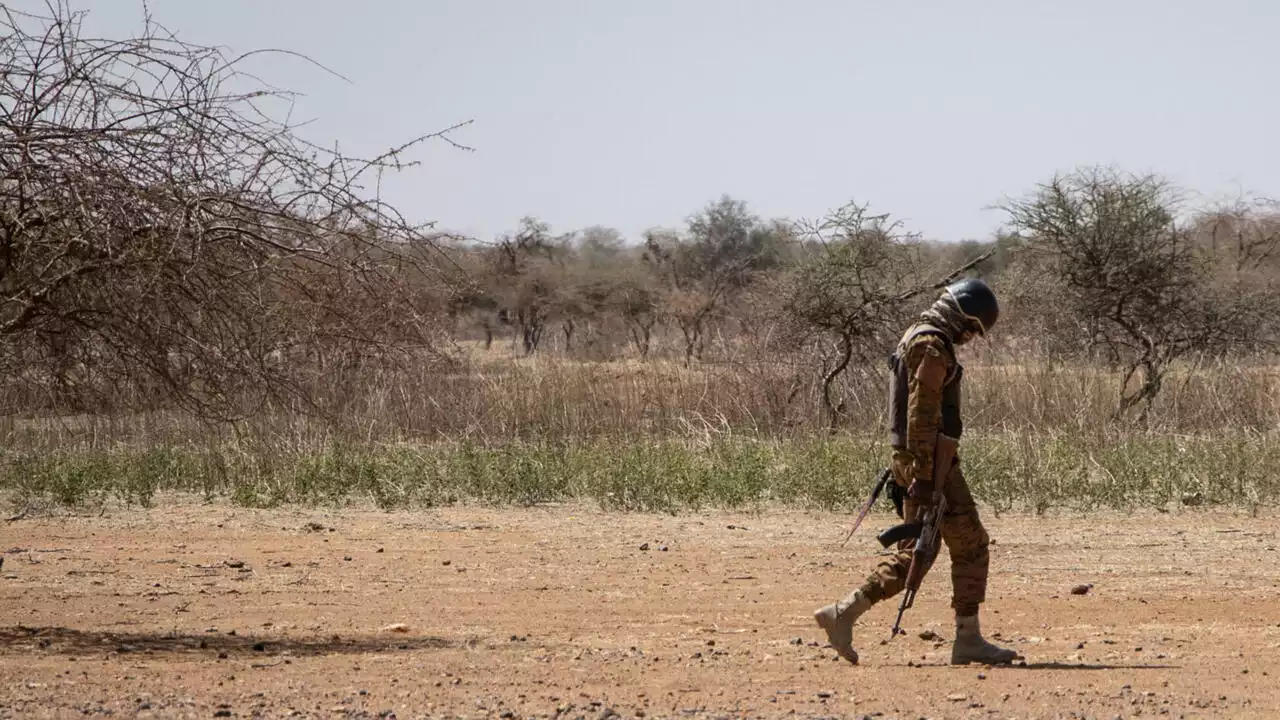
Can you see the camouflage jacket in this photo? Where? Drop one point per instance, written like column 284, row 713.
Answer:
column 924, row 395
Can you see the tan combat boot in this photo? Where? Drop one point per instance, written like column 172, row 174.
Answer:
column 837, row 619
column 970, row 647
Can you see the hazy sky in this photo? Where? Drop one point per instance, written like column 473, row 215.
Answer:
column 637, row 114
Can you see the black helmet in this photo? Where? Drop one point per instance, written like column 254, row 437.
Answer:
column 977, row 301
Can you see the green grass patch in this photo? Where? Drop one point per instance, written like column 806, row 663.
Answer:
column 1013, row 472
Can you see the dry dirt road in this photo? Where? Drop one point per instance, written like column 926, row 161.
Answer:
column 213, row 611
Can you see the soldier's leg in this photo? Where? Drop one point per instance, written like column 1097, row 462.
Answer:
column 890, row 575
column 967, row 540
column 968, row 543
column 886, row 580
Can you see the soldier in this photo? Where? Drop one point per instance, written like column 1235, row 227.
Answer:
column 924, row 400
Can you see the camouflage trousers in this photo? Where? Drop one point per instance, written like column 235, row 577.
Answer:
column 962, row 532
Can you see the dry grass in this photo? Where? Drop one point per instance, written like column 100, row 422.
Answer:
column 659, row 436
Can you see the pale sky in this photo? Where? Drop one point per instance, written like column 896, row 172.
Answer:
column 637, row 114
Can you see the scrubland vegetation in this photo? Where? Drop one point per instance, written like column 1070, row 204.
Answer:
column 194, row 298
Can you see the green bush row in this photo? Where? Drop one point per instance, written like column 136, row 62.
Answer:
column 1006, row 473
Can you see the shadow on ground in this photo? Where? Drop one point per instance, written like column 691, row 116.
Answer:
column 1092, row 666
column 69, row 641
column 1058, row 666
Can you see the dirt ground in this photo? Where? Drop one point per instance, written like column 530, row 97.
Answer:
column 214, row 611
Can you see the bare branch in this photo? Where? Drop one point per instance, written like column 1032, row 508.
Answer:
column 160, row 228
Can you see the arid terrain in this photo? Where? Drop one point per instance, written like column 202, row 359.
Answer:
column 214, row 611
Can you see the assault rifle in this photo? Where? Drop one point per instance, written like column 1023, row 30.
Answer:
column 925, row 527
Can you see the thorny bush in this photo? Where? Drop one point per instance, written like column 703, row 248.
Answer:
column 163, row 238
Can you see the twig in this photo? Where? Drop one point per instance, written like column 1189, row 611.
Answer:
column 948, row 278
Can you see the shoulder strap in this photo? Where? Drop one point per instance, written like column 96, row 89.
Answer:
column 922, row 329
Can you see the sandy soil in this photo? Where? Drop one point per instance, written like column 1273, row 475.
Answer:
column 212, row 611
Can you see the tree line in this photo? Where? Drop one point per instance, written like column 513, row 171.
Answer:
column 1094, row 265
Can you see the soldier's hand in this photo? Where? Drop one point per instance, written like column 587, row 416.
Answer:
column 921, row 491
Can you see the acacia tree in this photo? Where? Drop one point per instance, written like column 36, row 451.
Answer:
column 724, row 248
column 1134, row 273
column 527, row 272
column 593, row 259
column 1245, row 233
column 636, row 299
column 475, row 304
column 159, row 225
column 849, row 293
column 841, row 296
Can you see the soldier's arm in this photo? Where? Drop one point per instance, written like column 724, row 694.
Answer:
column 927, row 370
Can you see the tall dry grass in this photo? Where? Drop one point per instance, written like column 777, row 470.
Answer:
column 658, row 435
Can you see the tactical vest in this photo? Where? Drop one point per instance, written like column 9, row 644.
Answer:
column 898, row 389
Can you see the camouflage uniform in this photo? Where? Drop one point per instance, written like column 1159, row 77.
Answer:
column 924, row 401
column 933, row 384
